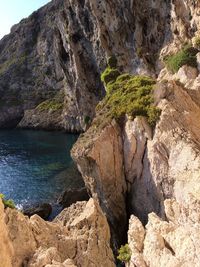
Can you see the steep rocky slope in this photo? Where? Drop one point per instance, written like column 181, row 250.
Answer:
column 54, row 58
column 79, row 236
column 50, row 63
column 131, row 167
column 151, row 165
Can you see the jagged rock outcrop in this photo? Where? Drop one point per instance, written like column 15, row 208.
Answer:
column 50, row 63
column 98, row 155
column 79, row 236
column 171, row 161
column 170, row 243
column 142, row 167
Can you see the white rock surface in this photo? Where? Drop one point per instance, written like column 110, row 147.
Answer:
column 173, row 244
column 79, row 239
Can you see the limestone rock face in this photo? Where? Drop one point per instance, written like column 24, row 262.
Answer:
column 79, row 236
column 137, row 168
column 99, row 157
column 183, row 25
column 170, row 165
column 55, row 57
column 173, row 243
column 6, row 250
column 57, row 54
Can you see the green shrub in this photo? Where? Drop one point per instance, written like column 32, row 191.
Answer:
column 50, row 105
column 109, row 75
column 132, row 95
column 56, row 102
column 14, row 60
column 8, row 203
column 186, row 56
column 124, row 253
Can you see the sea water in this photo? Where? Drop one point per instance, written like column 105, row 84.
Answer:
column 34, row 165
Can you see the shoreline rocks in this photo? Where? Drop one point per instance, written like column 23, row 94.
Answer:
column 80, row 235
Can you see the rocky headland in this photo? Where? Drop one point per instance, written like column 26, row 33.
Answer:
column 139, row 157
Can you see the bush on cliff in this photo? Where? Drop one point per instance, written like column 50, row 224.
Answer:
column 132, row 95
column 124, row 253
column 50, row 105
column 186, row 56
column 111, row 73
column 8, row 203
column 54, row 104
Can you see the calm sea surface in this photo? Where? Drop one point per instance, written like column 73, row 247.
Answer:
column 34, row 165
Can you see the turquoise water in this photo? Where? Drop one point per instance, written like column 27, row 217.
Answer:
column 34, row 165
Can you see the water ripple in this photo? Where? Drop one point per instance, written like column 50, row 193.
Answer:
column 30, row 164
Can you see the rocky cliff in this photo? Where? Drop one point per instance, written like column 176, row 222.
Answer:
column 50, row 63
column 79, row 236
column 140, row 156
column 127, row 163
column 132, row 168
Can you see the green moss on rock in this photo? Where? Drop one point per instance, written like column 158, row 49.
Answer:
column 8, row 203
column 197, row 42
column 109, row 75
column 132, row 95
column 186, row 56
column 54, row 104
column 124, row 253
column 50, row 105
column 18, row 61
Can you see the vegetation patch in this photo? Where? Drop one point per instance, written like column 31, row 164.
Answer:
column 54, row 104
column 124, row 253
column 50, row 105
column 109, row 75
column 132, row 95
column 186, row 56
column 12, row 61
column 8, row 203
